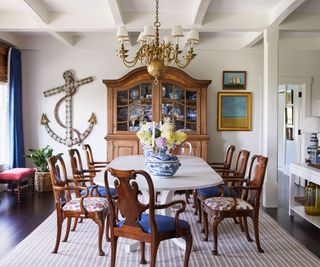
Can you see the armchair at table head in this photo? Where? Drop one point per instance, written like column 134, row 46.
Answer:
column 68, row 207
column 183, row 151
column 137, row 224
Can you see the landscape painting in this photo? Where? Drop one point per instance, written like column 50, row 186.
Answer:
column 234, row 111
column 234, row 80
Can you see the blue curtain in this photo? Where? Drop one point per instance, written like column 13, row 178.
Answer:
column 15, row 110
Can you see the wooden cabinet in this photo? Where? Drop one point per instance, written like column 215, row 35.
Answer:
column 135, row 98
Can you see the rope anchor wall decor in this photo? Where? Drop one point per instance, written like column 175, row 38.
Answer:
column 69, row 88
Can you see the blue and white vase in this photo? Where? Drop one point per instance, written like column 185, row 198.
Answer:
column 162, row 164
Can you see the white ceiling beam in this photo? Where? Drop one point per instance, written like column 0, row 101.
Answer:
column 116, row 12
column 36, row 9
column 250, row 39
column 275, row 17
column 65, row 38
column 199, row 12
column 281, row 11
column 40, row 15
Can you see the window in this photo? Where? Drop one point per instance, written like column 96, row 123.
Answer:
column 4, row 124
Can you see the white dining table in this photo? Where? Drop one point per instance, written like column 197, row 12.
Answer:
column 194, row 173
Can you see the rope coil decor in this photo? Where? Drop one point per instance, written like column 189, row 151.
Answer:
column 70, row 88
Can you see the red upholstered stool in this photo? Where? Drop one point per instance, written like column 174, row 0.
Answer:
column 17, row 176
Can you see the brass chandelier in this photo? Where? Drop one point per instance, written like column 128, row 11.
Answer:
column 157, row 56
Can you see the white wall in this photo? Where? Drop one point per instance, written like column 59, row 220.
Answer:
column 42, row 70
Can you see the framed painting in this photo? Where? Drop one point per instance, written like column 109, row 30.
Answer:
column 289, row 97
column 234, row 80
column 234, row 111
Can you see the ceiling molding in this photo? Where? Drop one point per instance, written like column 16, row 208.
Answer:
column 116, row 12
column 36, row 9
column 250, row 39
column 199, row 12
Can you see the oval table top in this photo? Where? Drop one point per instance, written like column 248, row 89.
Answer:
column 194, row 173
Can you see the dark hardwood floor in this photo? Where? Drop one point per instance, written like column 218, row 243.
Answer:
column 18, row 221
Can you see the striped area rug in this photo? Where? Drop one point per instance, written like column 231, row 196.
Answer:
column 81, row 250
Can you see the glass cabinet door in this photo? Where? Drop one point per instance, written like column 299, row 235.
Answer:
column 134, row 105
column 180, row 105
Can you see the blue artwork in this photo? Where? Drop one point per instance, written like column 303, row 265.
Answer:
column 234, row 107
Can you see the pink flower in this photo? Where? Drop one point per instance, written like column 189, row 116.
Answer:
column 161, row 142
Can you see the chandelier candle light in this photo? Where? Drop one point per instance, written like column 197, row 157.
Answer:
column 157, row 56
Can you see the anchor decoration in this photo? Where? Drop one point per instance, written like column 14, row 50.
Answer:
column 70, row 87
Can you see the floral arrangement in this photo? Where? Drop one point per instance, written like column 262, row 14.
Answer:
column 160, row 137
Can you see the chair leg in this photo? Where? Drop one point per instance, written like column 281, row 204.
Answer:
column 59, row 227
column 154, row 250
column 67, row 230
column 19, row 193
column 256, row 232
column 113, row 240
column 100, row 221
column 142, row 256
column 32, row 185
column 187, row 196
column 189, row 242
column 107, row 228
column 199, row 211
column 205, row 226
column 241, row 224
column 215, row 237
column 195, row 206
column 74, row 224
column 245, row 224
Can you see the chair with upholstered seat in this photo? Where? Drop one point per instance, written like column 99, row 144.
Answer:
column 91, row 164
column 137, row 224
column 230, row 178
column 83, row 207
column 215, row 209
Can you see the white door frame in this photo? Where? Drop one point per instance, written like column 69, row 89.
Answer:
column 306, row 101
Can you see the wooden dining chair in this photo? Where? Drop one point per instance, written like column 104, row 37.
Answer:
column 215, row 209
column 226, row 165
column 229, row 177
column 137, row 223
column 94, row 208
column 91, row 164
column 84, row 178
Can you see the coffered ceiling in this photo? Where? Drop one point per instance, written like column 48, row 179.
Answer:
column 223, row 24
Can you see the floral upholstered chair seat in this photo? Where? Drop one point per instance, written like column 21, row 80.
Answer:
column 91, row 204
column 226, row 203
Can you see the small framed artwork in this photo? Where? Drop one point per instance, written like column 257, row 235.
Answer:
column 234, row 111
column 289, row 97
column 289, row 116
column 289, row 133
column 234, row 80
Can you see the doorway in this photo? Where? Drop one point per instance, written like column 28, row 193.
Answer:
column 290, row 117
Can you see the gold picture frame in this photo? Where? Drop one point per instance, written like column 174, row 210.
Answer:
column 234, row 111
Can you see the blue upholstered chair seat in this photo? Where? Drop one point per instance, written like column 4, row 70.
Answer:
column 214, row 191
column 164, row 223
column 101, row 189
